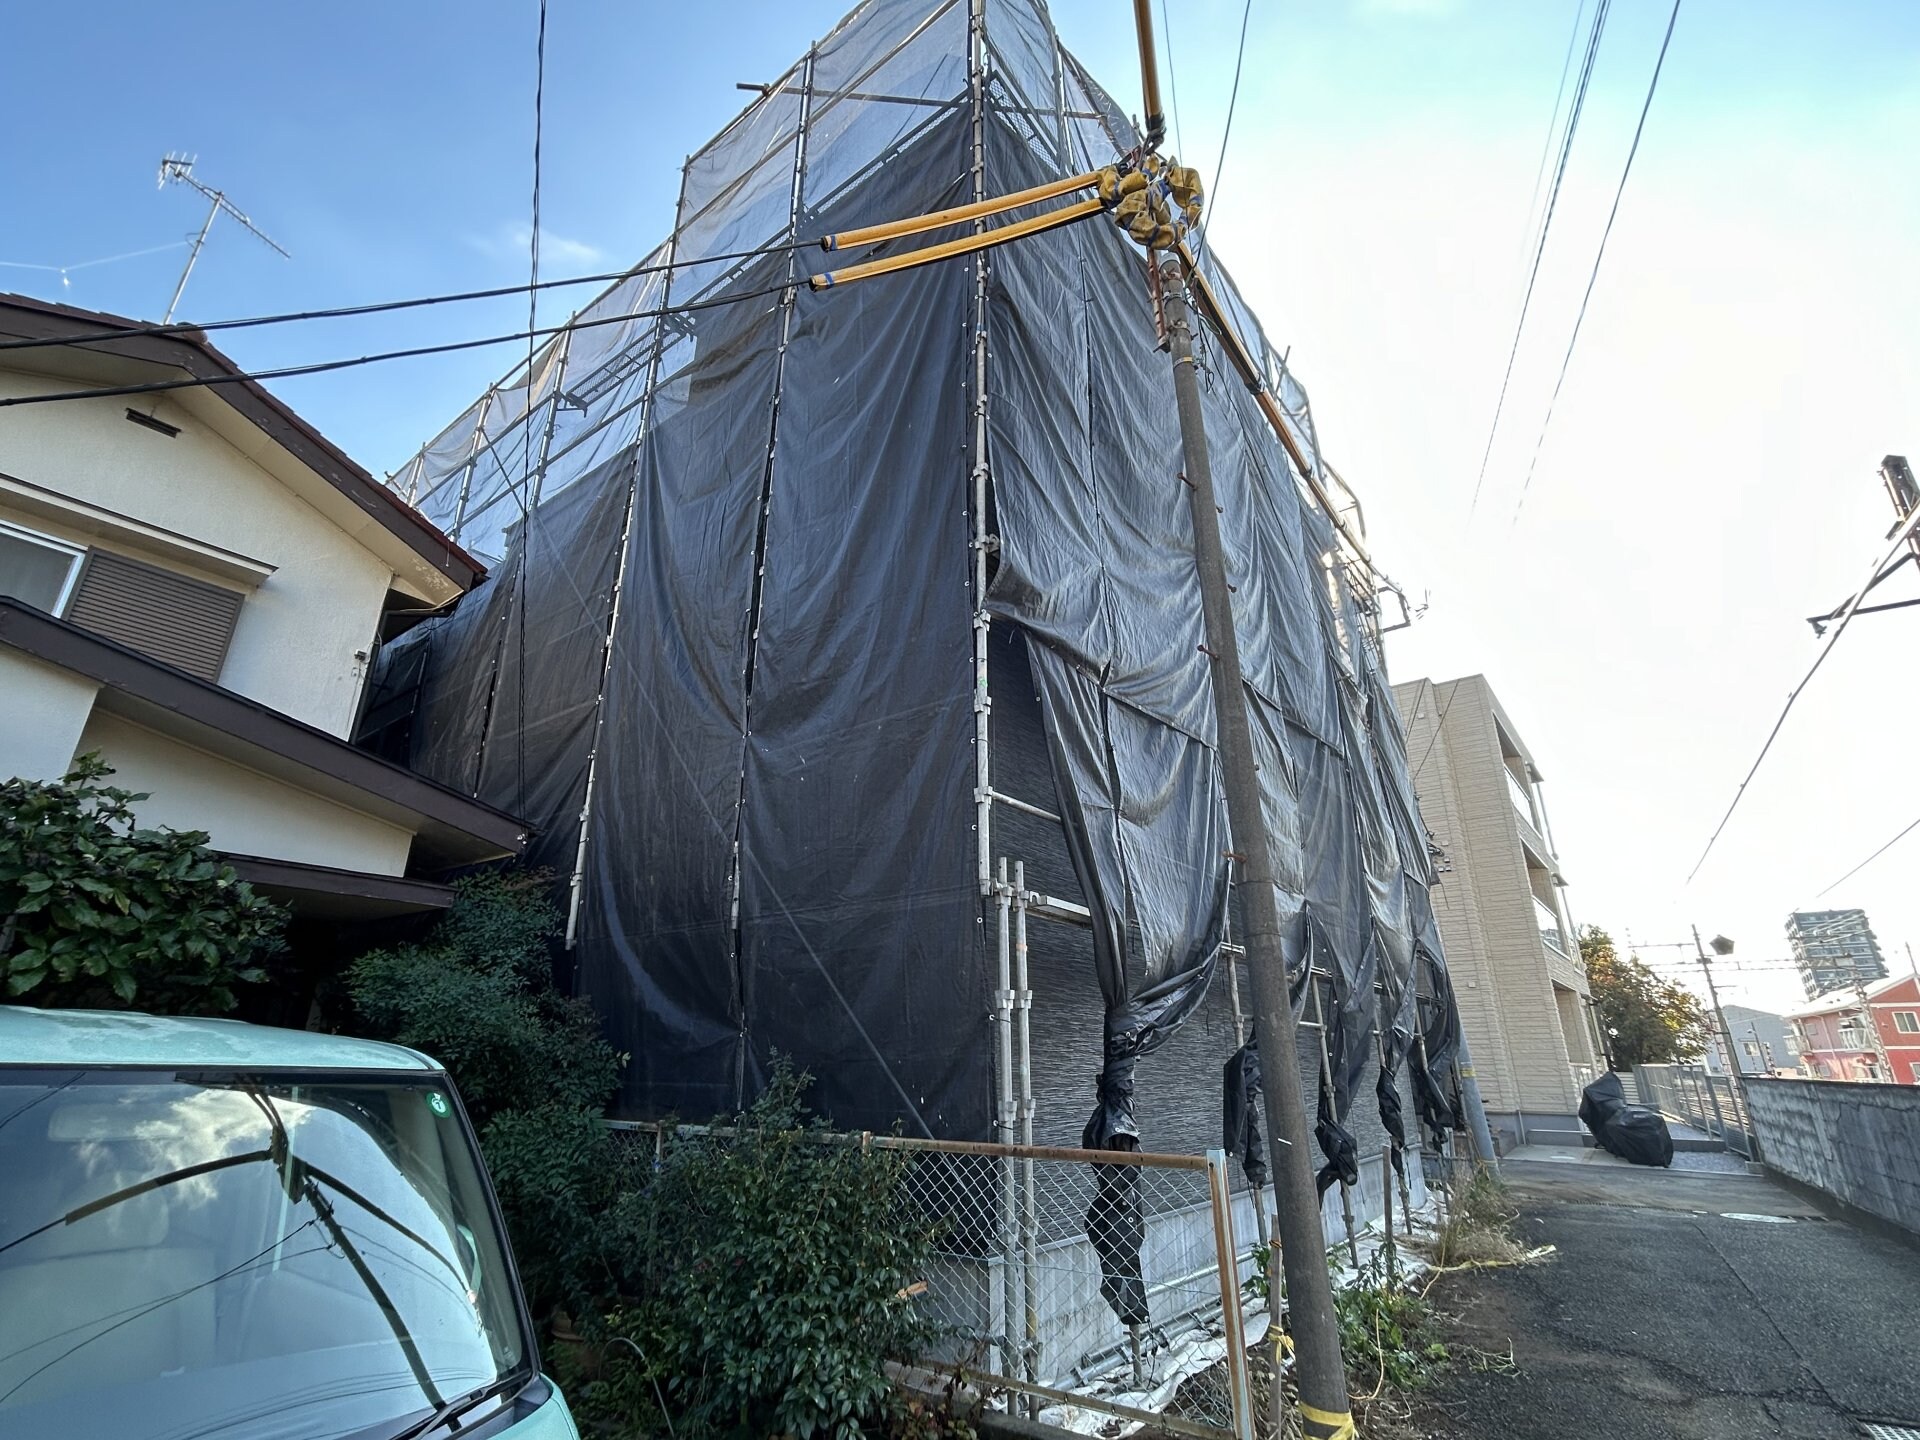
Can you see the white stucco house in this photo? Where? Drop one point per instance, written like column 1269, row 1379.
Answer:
column 192, row 583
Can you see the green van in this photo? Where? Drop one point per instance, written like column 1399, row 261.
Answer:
column 218, row 1231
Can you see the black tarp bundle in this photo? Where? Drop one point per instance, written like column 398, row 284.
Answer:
column 1621, row 1129
column 733, row 555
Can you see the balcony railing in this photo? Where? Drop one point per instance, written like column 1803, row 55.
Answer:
column 1550, row 931
column 1522, row 798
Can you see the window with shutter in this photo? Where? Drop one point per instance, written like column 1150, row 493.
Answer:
column 185, row 622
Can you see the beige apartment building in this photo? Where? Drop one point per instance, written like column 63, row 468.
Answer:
column 1501, row 906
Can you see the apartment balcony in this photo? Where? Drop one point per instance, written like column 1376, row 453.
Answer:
column 1551, row 935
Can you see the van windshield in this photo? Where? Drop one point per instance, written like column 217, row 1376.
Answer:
column 213, row 1255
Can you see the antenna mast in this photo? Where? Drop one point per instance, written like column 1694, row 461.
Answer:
column 178, row 169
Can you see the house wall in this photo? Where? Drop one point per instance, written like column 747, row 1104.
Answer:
column 1828, row 1055
column 303, row 633
column 1523, row 1004
column 242, row 811
column 46, row 710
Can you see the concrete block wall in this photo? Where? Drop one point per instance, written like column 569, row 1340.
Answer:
column 1858, row 1143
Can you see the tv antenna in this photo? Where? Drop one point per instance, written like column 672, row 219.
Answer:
column 178, row 169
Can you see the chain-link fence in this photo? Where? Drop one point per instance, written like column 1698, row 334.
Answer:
column 1089, row 1288
column 1694, row 1095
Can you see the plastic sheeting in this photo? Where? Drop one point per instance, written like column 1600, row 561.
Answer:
column 773, row 743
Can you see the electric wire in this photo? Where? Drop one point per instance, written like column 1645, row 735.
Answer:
column 1574, row 112
column 1598, row 256
column 1901, row 538
column 1226, row 134
column 1173, row 81
column 1871, row 858
column 526, row 494
column 1439, row 726
column 448, row 347
column 1553, row 126
column 380, row 307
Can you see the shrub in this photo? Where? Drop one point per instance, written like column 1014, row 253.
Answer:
column 531, row 1066
column 473, row 995
column 96, row 911
column 563, row 1185
column 773, row 1282
column 1386, row 1337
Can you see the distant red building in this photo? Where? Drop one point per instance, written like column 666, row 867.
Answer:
column 1836, row 1033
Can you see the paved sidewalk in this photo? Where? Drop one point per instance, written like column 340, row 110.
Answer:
column 1682, row 1304
column 1715, row 1161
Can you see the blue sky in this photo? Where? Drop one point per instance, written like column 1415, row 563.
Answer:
column 1707, row 481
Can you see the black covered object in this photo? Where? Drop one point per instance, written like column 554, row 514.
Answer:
column 1625, row 1130
column 1240, row 1112
column 726, row 664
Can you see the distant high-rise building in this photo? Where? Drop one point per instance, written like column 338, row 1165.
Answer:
column 1834, row 950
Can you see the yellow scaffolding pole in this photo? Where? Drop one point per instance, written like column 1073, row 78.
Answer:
column 965, row 245
column 979, row 210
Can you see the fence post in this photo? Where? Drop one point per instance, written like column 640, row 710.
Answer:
column 1713, row 1099
column 1227, row 1248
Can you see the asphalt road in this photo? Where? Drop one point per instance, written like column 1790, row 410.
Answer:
column 1686, row 1305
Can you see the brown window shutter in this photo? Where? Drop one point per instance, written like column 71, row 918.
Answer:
column 187, row 623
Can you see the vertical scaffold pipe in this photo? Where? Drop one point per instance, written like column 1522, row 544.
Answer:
column 1029, row 1196
column 1322, row 1377
column 982, row 702
column 1012, row 1309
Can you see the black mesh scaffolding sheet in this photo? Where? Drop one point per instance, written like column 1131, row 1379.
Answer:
column 779, row 770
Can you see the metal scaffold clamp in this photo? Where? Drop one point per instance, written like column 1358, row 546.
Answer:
column 1156, row 201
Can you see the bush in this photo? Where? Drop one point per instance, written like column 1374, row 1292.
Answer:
column 96, row 911
column 1386, row 1337
column 531, row 1066
column 564, row 1186
column 773, row 1283
column 473, row 994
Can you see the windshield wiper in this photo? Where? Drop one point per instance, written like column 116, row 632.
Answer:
column 513, row 1381
column 140, row 1187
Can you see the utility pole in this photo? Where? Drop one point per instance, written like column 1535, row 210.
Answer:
column 1321, row 1373
column 1882, row 1060
column 1735, row 1077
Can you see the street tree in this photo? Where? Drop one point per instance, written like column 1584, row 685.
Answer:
column 1648, row 1020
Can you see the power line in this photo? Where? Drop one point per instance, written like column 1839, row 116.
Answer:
column 1439, row 725
column 1173, row 80
column 1594, row 275
column 127, row 332
column 527, row 481
column 320, row 367
column 1553, row 124
column 1226, row 133
column 1871, row 858
column 1546, row 226
column 1826, row 648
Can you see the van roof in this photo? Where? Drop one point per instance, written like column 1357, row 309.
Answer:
column 108, row 1038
